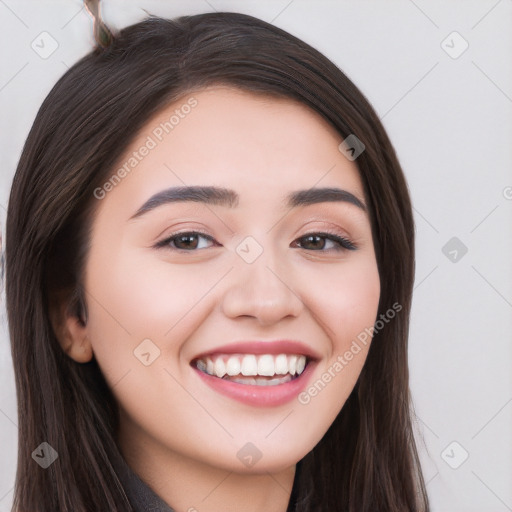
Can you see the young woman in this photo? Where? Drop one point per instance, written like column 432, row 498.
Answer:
column 210, row 259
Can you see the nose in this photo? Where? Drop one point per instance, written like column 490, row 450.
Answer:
column 263, row 291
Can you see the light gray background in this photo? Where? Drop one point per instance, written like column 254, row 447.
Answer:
column 450, row 121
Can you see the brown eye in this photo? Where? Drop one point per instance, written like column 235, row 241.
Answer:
column 318, row 242
column 313, row 242
column 186, row 241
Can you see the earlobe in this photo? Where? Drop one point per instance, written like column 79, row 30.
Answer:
column 71, row 333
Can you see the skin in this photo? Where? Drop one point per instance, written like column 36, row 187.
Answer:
column 177, row 433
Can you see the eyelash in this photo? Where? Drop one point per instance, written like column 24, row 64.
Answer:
column 344, row 243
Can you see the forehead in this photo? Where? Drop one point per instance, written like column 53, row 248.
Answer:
column 262, row 146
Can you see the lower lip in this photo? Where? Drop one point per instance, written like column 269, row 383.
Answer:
column 262, row 396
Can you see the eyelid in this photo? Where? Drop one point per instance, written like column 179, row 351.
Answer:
column 166, row 240
column 345, row 242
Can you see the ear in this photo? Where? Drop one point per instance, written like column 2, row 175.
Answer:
column 70, row 328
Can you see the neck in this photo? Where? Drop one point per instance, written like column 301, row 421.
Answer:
column 189, row 485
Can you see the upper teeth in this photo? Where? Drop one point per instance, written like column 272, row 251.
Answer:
column 250, row 364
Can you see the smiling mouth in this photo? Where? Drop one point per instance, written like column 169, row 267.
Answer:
column 251, row 369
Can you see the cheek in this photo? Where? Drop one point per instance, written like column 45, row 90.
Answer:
column 147, row 297
column 346, row 300
column 145, row 307
column 136, row 299
column 346, row 305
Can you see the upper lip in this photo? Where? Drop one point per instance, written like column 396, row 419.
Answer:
column 259, row 347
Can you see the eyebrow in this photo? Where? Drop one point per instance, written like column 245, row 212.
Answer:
column 219, row 196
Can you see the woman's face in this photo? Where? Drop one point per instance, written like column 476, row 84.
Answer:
column 244, row 280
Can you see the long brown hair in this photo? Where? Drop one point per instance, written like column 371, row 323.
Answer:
column 367, row 461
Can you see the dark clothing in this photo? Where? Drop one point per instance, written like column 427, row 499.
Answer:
column 141, row 497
